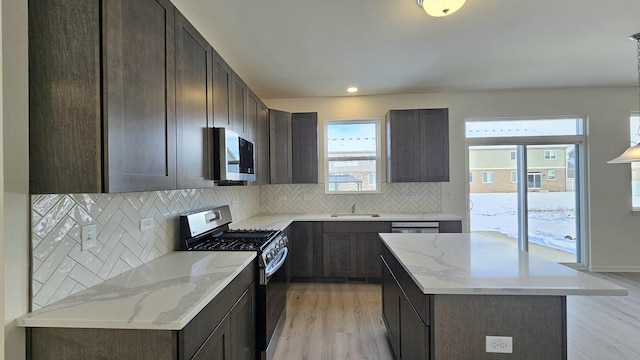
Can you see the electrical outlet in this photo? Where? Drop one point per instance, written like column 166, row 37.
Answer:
column 453, row 195
column 88, row 237
column 307, row 197
column 147, row 224
column 282, row 197
column 500, row 344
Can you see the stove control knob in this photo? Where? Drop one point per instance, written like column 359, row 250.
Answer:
column 269, row 256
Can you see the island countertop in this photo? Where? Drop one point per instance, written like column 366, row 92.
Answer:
column 473, row 264
column 163, row 294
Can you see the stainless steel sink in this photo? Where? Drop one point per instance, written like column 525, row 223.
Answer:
column 355, row 215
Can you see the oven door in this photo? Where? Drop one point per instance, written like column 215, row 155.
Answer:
column 273, row 301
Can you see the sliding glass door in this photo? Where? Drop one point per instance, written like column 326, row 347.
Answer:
column 534, row 198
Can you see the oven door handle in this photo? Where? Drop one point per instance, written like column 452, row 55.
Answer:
column 281, row 258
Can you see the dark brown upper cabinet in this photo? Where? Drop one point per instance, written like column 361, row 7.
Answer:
column 194, row 106
column 221, row 91
column 418, row 145
column 304, row 142
column 294, row 147
column 262, row 146
column 238, row 105
column 280, row 158
column 101, row 96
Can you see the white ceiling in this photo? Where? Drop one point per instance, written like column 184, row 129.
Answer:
column 308, row 48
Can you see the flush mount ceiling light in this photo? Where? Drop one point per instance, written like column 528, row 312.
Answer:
column 632, row 154
column 352, row 89
column 439, row 8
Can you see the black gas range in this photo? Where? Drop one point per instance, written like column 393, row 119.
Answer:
column 208, row 230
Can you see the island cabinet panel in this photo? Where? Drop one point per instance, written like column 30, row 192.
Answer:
column 305, row 245
column 408, row 333
column 418, row 145
column 194, row 106
column 351, row 249
column 217, row 345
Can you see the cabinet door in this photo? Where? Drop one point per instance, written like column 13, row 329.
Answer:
column 243, row 329
column 64, row 50
column 218, row 344
column 193, row 106
column 418, row 145
column 339, row 254
column 222, row 74
column 238, row 105
column 139, row 95
column 368, row 255
column 252, row 113
column 414, row 335
column 305, row 261
column 304, row 141
column 434, row 145
column 391, row 308
column 403, row 131
column 280, row 146
column 451, row 226
column 262, row 146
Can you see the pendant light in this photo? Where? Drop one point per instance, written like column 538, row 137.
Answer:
column 439, row 8
column 632, row 154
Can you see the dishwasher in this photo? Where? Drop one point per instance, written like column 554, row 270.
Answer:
column 415, row 227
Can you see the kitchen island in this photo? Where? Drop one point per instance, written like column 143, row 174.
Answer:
column 465, row 296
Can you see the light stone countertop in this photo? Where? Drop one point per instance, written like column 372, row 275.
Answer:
column 472, row 264
column 163, row 294
column 281, row 221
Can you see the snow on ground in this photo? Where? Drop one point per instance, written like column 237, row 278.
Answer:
column 552, row 220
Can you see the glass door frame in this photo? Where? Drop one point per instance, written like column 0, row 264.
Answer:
column 581, row 184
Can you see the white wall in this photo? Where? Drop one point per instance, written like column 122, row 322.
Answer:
column 614, row 229
column 15, row 251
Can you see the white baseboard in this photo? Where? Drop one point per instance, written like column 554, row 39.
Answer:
column 614, row 268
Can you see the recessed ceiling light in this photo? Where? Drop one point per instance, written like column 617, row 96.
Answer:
column 352, row 89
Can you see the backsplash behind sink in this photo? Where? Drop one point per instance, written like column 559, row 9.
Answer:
column 61, row 269
column 310, row 198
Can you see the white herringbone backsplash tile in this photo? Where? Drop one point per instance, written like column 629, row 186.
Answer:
column 60, row 268
column 311, row 198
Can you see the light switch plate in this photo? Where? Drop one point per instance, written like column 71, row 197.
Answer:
column 499, row 344
column 88, row 237
column 147, row 224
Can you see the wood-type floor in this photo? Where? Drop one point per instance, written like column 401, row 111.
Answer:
column 343, row 321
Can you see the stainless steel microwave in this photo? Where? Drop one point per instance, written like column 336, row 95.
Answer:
column 233, row 157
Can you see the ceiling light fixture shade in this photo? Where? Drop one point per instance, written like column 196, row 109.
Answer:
column 632, row 154
column 439, row 8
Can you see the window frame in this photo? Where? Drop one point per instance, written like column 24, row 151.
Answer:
column 553, row 155
column 493, row 177
column 514, row 177
column 549, row 176
column 377, row 158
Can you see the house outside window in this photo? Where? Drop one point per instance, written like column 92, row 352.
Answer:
column 551, row 175
column 550, row 154
column 487, row 177
column 514, row 177
column 352, row 153
column 512, row 155
column 470, row 177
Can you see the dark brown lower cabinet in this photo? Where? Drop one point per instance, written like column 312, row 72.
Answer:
column 305, row 246
column 352, row 249
column 408, row 334
column 224, row 329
